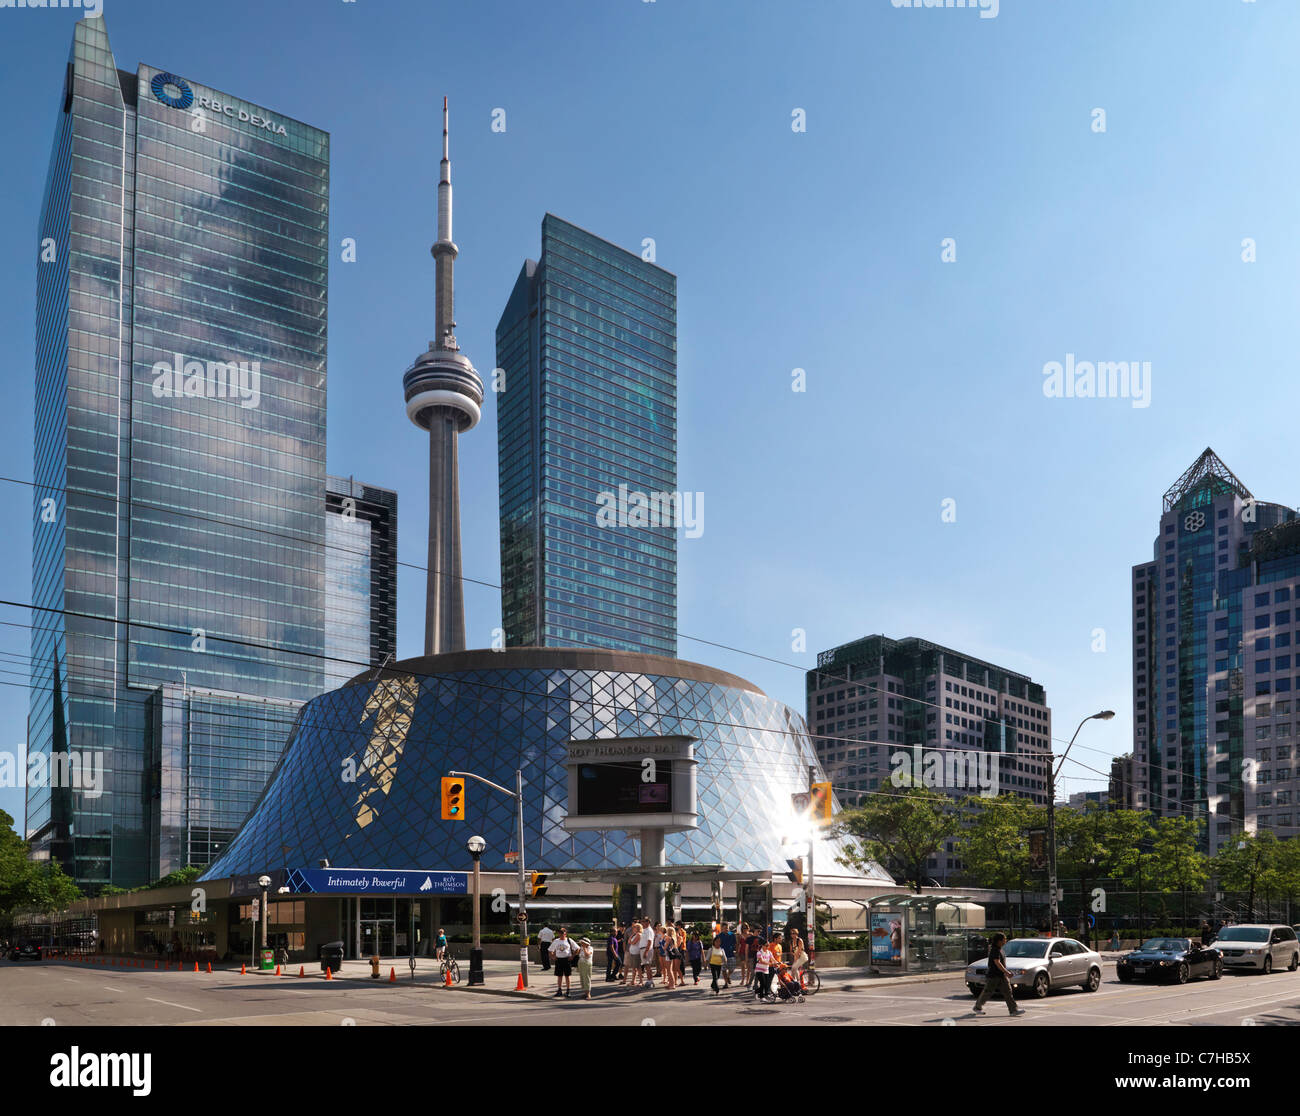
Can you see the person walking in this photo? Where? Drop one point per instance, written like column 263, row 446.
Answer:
column 441, row 951
column 613, row 953
column 717, row 961
column 1207, row 935
column 545, row 936
column 742, row 952
column 695, row 954
column 728, row 937
column 997, row 981
column 763, row 962
column 562, row 949
column 663, row 954
column 585, row 956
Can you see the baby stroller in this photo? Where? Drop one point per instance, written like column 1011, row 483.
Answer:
column 787, row 986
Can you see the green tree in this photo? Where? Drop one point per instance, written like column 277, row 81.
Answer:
column 27, row 883
column 1243, row 863
column 900, row 829
column 1177, row 863
column 994, row 845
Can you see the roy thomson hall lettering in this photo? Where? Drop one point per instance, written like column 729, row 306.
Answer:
column 633, row 750
column 176, row 93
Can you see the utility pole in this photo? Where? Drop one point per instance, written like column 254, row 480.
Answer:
column 810, row 896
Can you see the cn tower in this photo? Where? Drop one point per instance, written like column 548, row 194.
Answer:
column 444, row 395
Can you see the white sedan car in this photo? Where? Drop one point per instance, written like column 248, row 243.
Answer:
column 1042, row 964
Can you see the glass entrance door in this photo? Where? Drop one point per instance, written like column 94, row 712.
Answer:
column 377, row 937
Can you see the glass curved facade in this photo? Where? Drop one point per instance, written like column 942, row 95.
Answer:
column 402, row 733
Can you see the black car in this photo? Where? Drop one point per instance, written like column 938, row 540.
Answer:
column 1173, row 959
column 25, row 951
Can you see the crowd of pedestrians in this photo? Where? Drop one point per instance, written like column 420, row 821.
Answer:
column 646, row 954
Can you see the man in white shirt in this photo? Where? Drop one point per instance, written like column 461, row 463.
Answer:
column 648, row 953
column 545, row 936
column 563, row 950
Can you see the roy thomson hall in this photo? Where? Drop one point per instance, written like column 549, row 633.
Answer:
column 649, row 783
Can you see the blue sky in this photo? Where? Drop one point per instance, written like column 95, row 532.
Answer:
column 818, row 250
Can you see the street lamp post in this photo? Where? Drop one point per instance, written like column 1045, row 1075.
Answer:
column 518, row 796
column 264, row 882
column 1104, row 715
column 476, row 845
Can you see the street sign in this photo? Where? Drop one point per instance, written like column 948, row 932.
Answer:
column 521, row 917
column 512, row 856
column 800, row 800
column 257, row 910
column 171, row 918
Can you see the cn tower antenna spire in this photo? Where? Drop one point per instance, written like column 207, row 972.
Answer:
column 444, row 396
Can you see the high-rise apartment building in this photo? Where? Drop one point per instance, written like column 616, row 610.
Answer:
column 179, row 562
column 587, row 448
column 1214, row 630
column 883, row 712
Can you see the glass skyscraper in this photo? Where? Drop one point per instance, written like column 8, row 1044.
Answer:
column 179, row 542
column 587, row 434
column 1212, row 695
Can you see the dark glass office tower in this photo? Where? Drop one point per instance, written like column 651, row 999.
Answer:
column 1209, row 693
column 360, row 578
column 587, row 422
column 180, row 437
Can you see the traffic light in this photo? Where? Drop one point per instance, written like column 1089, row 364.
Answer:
column 453, row 799
column 539, row 884
column 821, row 803
column 795, row 875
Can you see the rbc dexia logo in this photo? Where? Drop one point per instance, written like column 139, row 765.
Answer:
column 172, row 90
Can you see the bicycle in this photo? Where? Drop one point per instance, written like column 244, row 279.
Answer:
column 448, row 965
column 809, row 981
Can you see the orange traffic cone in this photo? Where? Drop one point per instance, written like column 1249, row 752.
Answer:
column 209, row 967
column 155, row 964
column 277, row 970
column 301, row 971
column 519, row 983
column 196, row 966
column 392, row 976
column 328, row 974
column 243, row 971
column 447, row 982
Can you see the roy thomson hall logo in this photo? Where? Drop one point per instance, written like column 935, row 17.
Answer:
column 180, row 378
column 176, row 93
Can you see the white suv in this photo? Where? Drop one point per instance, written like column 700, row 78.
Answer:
column 1259, row 947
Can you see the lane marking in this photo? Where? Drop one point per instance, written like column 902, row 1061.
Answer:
column 169, row 1003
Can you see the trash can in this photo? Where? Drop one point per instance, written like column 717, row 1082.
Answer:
column 331, row 956
column 268, row 959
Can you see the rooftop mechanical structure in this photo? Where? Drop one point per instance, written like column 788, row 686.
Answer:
column 444, row 395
